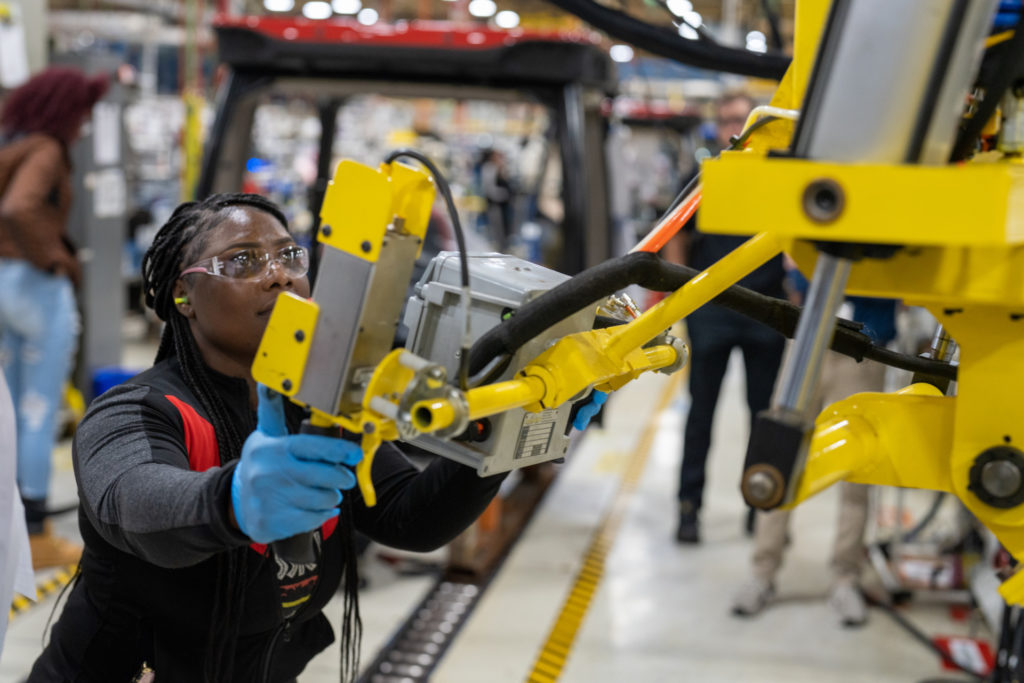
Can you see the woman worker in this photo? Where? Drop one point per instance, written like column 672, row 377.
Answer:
column 188, row 471
column 39, row 272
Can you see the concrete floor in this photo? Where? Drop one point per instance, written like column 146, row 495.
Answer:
column 660, row 611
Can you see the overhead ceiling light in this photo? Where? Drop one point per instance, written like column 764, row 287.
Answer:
column 688, row 32
column 506, row 19
column 482, row 8
column 316, row 10
column 346, row 6
column 621, row 53
column 679, row 7
column 279, row 5
column 367, row 16
column 692, row 18
column 756, row 42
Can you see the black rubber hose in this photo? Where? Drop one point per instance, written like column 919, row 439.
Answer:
column 652, row 272
column 558, row 303
column 667, row 43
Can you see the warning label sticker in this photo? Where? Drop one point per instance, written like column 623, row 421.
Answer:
column 535, row 436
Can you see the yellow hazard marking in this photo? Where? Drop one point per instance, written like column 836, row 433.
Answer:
column 44, row 589
column 553, row 654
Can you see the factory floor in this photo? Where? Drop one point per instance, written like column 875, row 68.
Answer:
column 643, row 608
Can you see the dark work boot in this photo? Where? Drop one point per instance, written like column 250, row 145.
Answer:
column 689, row 526
column 35, row 514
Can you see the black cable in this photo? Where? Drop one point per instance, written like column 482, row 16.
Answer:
column 913, row 533
column 683, row 194
column 1011, row 618
column 460, row 239
column 652, row 272
column 1017, row 649
column 926, row 366
column 665, row 43
column 773, row 24
column 1009, row 69
column 919, row 635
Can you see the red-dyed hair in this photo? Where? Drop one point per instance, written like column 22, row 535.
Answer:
column 54, row 101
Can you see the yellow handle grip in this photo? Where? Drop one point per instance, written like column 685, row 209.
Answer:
column 370, row 444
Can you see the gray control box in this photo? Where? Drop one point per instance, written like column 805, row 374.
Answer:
column 500, row 284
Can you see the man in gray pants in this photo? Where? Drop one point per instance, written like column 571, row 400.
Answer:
column 841, row 377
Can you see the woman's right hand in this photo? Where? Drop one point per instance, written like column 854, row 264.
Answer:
column 286, row 484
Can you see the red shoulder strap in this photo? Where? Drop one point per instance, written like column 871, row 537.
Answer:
column 200, row 440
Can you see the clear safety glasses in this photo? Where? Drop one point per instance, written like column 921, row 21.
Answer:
column 252, row 264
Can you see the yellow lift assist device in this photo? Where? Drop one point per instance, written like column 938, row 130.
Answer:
column 957, row 232
column 947, row 237
column 332, row 353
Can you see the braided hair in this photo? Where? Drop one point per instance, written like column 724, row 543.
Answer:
column 178, row 243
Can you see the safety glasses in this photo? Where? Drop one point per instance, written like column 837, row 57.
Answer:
column 252, row 264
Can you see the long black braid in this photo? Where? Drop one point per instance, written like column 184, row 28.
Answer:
column 177, row 244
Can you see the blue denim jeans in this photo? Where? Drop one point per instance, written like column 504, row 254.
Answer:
column 38, row 331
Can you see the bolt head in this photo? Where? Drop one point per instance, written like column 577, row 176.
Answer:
column 1001, row 478
column 761, row 487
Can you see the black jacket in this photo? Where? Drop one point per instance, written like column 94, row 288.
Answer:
column 154, row 516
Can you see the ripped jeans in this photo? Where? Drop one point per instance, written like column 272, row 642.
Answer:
column 39, row 327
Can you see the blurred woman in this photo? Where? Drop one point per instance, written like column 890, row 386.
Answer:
column 38, row 275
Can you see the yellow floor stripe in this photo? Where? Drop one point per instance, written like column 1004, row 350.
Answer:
column 547, row 668
column 44, row 589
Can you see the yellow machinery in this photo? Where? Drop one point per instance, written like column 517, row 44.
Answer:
column 954, row 234
column 858, row 191
column 333, row 353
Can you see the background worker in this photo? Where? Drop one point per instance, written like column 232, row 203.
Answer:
column 38, row 275
column 841, row 377
column 715, row 331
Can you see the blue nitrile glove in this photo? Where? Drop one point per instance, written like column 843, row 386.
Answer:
column 285, row 484
column 588, row 410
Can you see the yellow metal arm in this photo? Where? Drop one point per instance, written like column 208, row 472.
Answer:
column 746, row 258
column 602, row 359
column 907, row 440
column 899, row 439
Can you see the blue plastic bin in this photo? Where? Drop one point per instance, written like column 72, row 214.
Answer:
column 108, row 377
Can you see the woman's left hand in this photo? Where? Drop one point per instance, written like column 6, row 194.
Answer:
column 588, row 410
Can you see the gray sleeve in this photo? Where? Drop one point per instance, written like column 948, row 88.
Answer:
column 135, row 484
